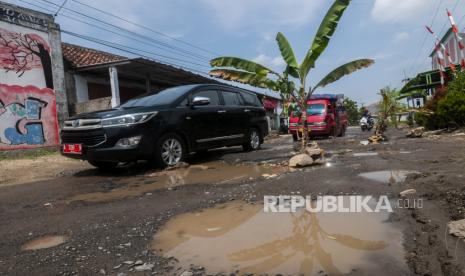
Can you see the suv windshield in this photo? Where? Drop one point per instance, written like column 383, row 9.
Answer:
column 316, row 109
column 163, row 97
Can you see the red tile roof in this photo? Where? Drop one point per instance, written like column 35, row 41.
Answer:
column 81, row 56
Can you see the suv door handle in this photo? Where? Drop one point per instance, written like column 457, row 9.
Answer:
column 246, row 110
column 221, row 111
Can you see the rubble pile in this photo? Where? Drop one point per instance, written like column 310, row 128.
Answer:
column 416, row 132
column 376, row 139
column 457, row 228
column 313, row 155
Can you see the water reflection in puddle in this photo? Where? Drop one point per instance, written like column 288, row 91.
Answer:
column 211, row 173
column 388, row 176
column 361, row 154
column 237, row 236
column 44, row 242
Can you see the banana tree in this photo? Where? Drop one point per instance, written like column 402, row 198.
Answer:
column 252, row 73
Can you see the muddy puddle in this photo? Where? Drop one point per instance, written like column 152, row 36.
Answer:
column 363, row 154
column 44, row 242
column 241, row 237
column 208, row 173
column 388, row 176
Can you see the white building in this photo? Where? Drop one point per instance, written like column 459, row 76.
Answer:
column 450, row 42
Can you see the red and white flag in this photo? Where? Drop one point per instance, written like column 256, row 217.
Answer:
column 458, row 38
column 441, row 65
column 440, row 46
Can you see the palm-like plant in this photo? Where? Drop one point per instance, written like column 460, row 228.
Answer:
column 252, row 73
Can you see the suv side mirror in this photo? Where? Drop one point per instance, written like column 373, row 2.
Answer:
column 200, row 101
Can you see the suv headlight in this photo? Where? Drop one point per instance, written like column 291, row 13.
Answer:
column 129, row 119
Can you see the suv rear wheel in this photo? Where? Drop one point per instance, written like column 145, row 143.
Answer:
column 169, row 150
column 253, row 140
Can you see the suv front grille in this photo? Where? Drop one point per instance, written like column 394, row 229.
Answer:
column 90, row 139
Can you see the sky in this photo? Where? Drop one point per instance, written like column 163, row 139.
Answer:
column 391, row 32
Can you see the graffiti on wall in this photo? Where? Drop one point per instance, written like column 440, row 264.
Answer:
column 27, row 113
column 23, row 113
column 23, row 52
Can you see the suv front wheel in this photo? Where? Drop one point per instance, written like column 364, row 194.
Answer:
column 253, row 140
column 169, row 150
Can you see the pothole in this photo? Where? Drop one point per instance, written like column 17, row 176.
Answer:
column 44, row 242
column 241, row 237
column 388, row 176
column 211, row 173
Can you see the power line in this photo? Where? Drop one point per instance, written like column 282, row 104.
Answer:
column 147, row 28
column 115, row 46
column 461, row 21
column 436, row 13
column 107, row 43
column 60, row 7
column 155, row 54
column 443, row 26
column 125, row 36
column 152, row 53
column 453, row 10
column 132, row 32
column 425, row 35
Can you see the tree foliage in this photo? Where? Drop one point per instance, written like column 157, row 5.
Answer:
column 353, row 112
column 452, row 107
column 388, row 108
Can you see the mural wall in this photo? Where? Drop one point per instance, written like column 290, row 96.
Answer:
column 28, row 115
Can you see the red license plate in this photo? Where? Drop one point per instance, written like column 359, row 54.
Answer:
column 72, row 148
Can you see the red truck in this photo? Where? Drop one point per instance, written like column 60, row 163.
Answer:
column 326, row 116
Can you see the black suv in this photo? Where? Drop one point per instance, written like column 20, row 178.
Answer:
column 166, row 126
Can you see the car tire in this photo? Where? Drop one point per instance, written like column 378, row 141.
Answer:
column 169, row 150
column 103, row 165
column 295, row 137
column 253, row 140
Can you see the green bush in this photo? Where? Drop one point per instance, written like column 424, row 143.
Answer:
column 451, row 108
column 430, row 121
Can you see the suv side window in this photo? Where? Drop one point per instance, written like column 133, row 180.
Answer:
column 183, row 103
column 231, row 98
column 250, row 99
column 211, row 94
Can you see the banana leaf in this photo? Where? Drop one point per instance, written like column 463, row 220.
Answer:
column 325, row 31
column 286, row 51
column 344, row 70
column 244, row 77
column 241, row 64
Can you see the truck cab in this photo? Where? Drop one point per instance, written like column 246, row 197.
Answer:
column 326, row 116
